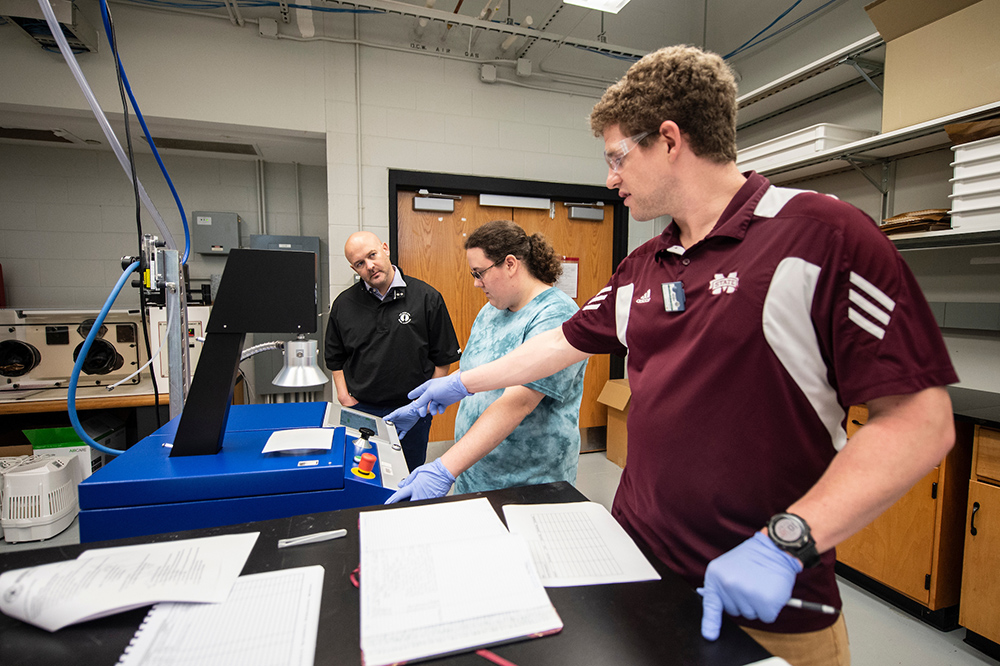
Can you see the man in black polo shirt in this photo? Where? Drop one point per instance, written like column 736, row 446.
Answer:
column 387, row 334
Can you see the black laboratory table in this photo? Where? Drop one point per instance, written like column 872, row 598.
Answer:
column 655, row 622
column 979, row 407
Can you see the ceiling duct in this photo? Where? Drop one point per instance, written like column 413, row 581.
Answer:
column 207, row 146
column 28, row 16
column 23, row 134
column 392, row 7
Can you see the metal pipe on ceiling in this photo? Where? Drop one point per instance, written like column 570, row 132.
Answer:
column 449, row 18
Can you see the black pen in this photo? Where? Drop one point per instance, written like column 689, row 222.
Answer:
column 811, row 605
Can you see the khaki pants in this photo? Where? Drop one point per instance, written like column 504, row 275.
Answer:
column 826, row 647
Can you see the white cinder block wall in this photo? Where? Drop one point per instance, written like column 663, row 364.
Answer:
column 67, row 216
column 426, row 114
column 62, row 223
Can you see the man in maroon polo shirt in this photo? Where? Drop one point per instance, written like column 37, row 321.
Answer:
column 750, row 324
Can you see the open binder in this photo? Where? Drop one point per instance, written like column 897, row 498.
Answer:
column 446, row 578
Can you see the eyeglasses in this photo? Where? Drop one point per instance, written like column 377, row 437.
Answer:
column 614, row 159
column 477, row 274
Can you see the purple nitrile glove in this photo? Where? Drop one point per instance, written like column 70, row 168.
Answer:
column 435, row 395
column 425, row 482
column 753, row 580
column 403, row 418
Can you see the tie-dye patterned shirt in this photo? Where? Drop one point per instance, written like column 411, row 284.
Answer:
column 545, row 447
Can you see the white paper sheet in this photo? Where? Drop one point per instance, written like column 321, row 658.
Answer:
column 417, row 525
column 569, row 281
column 445, row 578
column 106, row 581
column 578, row 544
column 268, row 618
column 299, row 439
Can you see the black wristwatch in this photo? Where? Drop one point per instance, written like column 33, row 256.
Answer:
column 791, row 534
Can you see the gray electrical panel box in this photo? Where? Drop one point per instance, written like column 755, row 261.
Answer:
column 214, row 232
column 273, row 242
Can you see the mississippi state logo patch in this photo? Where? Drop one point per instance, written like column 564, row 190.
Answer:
column 405, row 318
column 724, row 284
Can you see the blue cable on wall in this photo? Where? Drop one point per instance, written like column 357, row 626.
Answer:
column 149, row 138
column 74, row 378
column 750, row 43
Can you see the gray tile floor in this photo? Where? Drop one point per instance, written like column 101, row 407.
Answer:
column 880, row 634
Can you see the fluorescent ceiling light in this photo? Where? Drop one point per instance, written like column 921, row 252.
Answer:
column 611, row 6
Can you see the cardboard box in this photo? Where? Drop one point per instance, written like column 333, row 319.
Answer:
column 104, row 430
column 940, row 57
column 13, row 443
column 616, row 394
column 15, row 451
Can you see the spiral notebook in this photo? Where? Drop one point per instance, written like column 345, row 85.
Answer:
column 268, row 618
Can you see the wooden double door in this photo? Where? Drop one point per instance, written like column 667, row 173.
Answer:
column 430, row 246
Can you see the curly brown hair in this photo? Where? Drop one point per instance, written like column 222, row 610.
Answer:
column 694, row 88
column 499, row 238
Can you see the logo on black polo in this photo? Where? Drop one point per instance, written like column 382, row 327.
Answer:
column 405, row 318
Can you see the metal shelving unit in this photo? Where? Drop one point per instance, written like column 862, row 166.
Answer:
column 839, row 70
column 882, row 149
column 891, row 145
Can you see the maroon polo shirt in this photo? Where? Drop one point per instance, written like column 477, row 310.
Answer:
column 795, row 306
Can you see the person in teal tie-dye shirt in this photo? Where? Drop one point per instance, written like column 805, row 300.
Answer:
column 520, row 435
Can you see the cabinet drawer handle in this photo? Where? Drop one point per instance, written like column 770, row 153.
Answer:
column 972, row 520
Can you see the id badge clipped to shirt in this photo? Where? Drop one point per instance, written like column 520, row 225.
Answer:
column 673, row 296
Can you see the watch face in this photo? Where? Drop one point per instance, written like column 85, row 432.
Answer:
column 787, row 530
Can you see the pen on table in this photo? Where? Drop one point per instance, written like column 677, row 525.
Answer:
column 315, row 537
column 811, row 605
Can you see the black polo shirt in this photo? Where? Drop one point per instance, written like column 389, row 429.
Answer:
column 387, row 348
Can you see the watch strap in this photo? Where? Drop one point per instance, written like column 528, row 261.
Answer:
column 808, row 555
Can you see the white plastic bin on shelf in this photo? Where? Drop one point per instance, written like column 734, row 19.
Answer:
column 989, row 182
column 982, row 219
column 978, row 150
column 975, row 189
column 803, row 143
column 977, row 169
column 978, row 201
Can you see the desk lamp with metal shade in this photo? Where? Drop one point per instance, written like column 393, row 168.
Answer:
column 300, row 368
